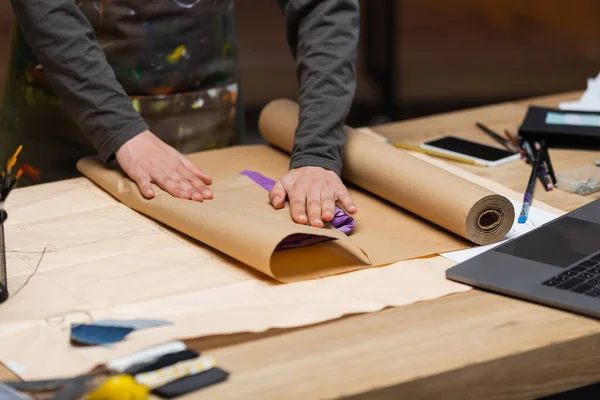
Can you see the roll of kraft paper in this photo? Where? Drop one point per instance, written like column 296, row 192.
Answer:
column 447, row 200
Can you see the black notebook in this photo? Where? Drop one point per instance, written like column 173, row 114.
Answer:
column 562, row 128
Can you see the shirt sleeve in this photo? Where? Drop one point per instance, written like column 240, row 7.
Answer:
column 63, row 41
column 323, row 36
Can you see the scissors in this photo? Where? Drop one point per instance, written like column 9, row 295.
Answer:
column 64, row 389
column 118, row 387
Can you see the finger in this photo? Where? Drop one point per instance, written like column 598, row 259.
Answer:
column 172, row 187
column 196, row 171
column 313, row 203
column 298, row 206
column 143, row 183
column 346, row 201
column 186, row 190
column 327, row 205
column 199, row 189
column 277, row 195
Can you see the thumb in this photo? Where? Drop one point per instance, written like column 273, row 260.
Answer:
column 143, row 182
column 277, row 195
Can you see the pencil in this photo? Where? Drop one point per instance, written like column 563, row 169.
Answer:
column 411, row 147
column 512, row 139
column 528, row 198
column 495, row 136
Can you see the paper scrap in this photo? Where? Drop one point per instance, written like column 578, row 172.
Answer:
column 97, row 334
column 536, row 219
column 145, row 356
column 589, row 101
column 109, row 331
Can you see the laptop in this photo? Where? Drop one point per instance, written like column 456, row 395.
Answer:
column 556, row 264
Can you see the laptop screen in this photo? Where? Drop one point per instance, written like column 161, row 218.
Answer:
column 561, row 243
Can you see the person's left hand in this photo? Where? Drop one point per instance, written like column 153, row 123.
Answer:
column 313, row 193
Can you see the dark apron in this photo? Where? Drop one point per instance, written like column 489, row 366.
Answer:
column 176, row 59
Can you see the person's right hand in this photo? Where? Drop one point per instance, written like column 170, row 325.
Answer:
column 147, row 159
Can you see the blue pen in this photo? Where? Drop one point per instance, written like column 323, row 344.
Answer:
column 528, row 199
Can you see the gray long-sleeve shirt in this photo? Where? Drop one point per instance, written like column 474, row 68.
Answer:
column 322, row 34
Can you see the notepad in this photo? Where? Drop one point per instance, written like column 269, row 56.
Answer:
column 589, row 101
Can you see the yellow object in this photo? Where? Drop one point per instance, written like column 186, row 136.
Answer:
column 13, row 160
column 179, row 52
column 162, row 376
column 136, row 104
column 411, row 147
column 120, row 387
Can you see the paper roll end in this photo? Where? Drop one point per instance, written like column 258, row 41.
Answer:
column 490, row 219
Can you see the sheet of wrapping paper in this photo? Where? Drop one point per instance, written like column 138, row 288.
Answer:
column 241, row 223
column 102, row 260
column 449, row 201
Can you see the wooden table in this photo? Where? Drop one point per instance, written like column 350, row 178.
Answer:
column 473, row 345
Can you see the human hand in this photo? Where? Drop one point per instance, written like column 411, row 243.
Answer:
column 147, row 159
column 313, row 191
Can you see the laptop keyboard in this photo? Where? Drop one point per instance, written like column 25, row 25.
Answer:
column 582, row 278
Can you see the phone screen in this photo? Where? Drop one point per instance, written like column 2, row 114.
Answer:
column 469, row 148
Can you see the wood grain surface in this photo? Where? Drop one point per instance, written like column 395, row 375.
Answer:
column 471, row 345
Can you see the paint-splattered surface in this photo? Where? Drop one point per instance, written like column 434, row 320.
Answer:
column 174, row 58
column 166, row 46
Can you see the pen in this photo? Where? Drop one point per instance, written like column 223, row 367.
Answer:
column 542, row 173
column 528, row 198
column 548, row 162
column 495, row 136
column 411, row 147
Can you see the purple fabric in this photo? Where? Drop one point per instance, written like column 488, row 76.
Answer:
column 341, row 221
column 263, row 181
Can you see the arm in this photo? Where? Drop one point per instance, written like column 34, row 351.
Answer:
column 323, row 37
column 64, row 42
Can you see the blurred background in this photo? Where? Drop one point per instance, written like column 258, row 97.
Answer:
column 419, row 57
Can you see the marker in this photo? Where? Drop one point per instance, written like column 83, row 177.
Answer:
column 528, row 198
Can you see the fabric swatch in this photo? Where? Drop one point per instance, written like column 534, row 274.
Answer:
column 341, row 221
column 107, row 332
column 161, row 362
column 94, row 335
column 191, row 383
column 145, row 357
column 172, row 373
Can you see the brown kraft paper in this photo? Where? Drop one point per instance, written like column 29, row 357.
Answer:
column 447, row 200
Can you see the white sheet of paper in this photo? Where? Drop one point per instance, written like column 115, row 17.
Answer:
column 589, row 101
column 536, row 219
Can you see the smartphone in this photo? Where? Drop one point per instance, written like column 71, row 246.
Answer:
column 483, row 154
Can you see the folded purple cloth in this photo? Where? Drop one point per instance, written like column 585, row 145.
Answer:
column 341, row 221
